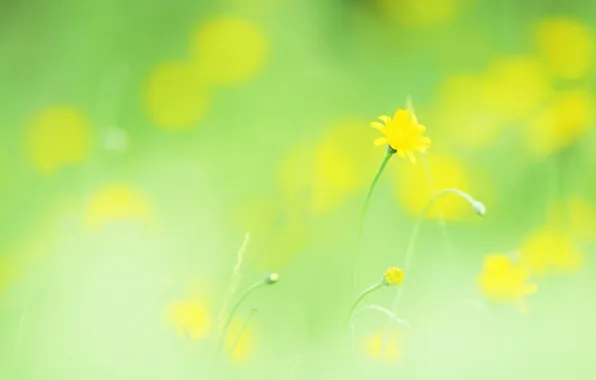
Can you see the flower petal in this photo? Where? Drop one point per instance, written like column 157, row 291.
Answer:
column 377, row 125
column 412, row 157
column 401, row 116
column 380, row 141
column 386, row 119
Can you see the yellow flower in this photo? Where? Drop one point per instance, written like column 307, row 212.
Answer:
column 190, row 317
column 550, row 250
column 502, row 280
column 394, row 276
column 402, row 133
column 373, row 346
column 567, row 47
column 56, row 137
column 117, row 202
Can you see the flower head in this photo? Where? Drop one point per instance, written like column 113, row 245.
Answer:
column 394, row 276
column 402, row 133
column 190, row 317
column 272, row 278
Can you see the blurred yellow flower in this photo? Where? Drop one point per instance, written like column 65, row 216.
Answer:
column 465, row 115
column 394, row 276
column 414, row 193
column 58, row 136
column 501, row 280
column 566, row 45
column 117, row 202
column 402, row 133
column 421, row 13
column 229, row 50
column 558, row 126
column 550, row 250
column 580, row 220
column 515, row 86
column 373, row 346
column 241, row 339
column 174, row 97
column 190, row 317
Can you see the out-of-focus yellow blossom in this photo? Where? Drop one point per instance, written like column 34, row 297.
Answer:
column 465, row 115
column 394, row 276
column 414, row 192
column 174, row 97
column 190, row 317
column 373, row 346
column 580, row 219
column 402, row 133
column 550, row 250
column 229, row 50
column 566, row 45
column 240, row 338
column 277, row 232
column 501, row 280
column 117, row 202
column 515, row 86
column 58, row 136
column 421, row 13
column 561, row 124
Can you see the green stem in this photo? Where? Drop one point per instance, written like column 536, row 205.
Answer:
column 388, row 153
column 242, row 329
column 410, row 250
column 364, row 293
column 233, row 312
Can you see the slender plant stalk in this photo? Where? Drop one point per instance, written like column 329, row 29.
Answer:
column 233, row 281
column 388, row 153
column 412, row 243
column 233, row 312
column 383, row 310
column 243, row 329
column 364, row 293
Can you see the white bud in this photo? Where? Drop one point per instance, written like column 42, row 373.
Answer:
column 479, row 207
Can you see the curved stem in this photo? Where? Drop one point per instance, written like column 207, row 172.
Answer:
column 242, row 329
column 233, row 311
column 388, row 153
column 364, row 293
column 411, row 246
column 383, row 310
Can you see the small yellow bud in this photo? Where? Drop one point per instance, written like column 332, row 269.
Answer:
column 393, row 276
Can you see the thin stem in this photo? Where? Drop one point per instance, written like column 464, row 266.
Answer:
column 233, row 281
column 364, row 293
column 388, row 153
column 233, row 311
column 383, row 310
column 243, row 329
column 411, row 246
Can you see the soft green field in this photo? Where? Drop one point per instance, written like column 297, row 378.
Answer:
column 141, row 143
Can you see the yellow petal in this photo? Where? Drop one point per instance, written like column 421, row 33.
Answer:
column 401, row 153
column 377, row 125
column 386, row 119
column 412, row 157
column 380, row 141
column 401, row 115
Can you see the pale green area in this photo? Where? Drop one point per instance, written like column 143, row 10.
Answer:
column 92, row 306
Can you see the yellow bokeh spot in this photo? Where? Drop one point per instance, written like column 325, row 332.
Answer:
column 10, row 272
column 240, row 340
column 414, row 193
column 190, row 317
column 561, row 124
column 550, row 250
column 117, row 202
column 229, row 50
column 515, row 86
column 465, row 115
column 58, row 136
column 278, row 233
column 502, row 280
column 174, row 97
column 567, row 47
column 373, row 347
column 421, row 13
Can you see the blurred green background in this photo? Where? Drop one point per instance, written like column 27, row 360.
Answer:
column 141, row 141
